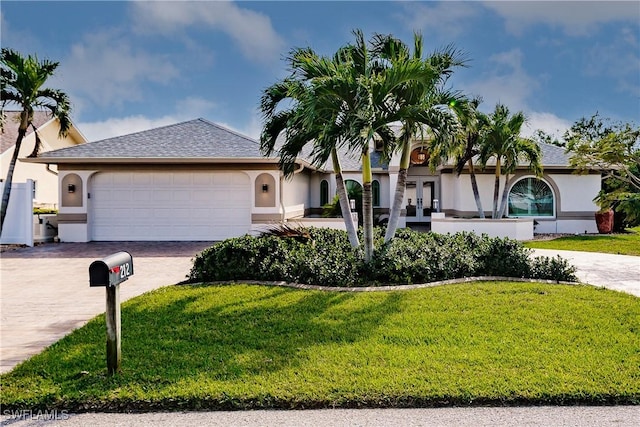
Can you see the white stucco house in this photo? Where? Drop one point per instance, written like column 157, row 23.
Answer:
column 44, row 176
column 197, row 180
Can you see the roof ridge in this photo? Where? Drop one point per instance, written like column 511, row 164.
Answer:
column 219, row 126
column 146, row 130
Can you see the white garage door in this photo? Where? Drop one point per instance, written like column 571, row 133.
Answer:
column 169, row 205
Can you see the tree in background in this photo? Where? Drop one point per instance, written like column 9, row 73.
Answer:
column 614, row 149
column 21, row 81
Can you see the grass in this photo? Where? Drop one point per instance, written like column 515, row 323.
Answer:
column 621, row 244
column 249, row 346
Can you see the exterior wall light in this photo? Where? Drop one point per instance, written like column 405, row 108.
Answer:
column 71, row 188
column 422, row 156
column 265, row 188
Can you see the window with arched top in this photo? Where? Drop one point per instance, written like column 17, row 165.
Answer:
column 375, row 190
column 324, row 192
column 531, row 197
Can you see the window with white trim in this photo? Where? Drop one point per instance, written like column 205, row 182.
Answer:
column 531, row 197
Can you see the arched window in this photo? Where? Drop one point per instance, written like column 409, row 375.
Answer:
column 324, row 192
column 531, row 197
column 375, row 190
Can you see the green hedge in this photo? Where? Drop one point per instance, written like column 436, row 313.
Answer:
column 326, row 258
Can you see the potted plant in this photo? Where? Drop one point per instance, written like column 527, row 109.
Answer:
column 604, row 221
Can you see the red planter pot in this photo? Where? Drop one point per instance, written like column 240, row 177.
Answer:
column 604, row 222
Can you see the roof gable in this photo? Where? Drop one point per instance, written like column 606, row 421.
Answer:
column 11, row 125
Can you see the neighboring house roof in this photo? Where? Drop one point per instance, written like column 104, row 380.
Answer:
column 12, row 124
column 195, row 139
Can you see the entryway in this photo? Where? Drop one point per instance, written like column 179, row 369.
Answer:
column 418, row 199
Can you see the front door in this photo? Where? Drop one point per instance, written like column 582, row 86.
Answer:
column 418, row 200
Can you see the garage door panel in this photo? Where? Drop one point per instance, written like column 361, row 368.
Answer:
column 169, row 206
column 121, row 179
column 141, row 179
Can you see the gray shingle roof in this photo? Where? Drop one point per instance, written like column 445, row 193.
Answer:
column 197, row 138
column 12, row 123
column 552, row 155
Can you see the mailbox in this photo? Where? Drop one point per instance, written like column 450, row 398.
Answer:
column 111, row 270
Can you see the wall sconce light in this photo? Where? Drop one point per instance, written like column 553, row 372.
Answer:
column 265, row 188
column 422, row 156
column 71, row 188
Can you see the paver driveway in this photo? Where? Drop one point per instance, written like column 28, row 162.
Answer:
column 45, row 293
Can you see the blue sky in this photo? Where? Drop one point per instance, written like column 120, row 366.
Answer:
column 130, row 66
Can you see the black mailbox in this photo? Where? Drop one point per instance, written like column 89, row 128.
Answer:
column 111, row 270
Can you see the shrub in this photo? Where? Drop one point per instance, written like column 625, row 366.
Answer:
column 326, row 258
column 550, row 268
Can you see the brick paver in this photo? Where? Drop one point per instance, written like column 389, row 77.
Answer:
column 45, row 293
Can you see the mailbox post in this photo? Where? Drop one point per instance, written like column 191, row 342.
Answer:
column 110, row 272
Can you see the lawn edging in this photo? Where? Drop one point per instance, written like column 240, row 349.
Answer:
column 382, row 288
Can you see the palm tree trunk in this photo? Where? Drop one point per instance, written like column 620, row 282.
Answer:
column 474, row 186
column 398, row 197
column 6, row 193
column 505, row 193
column 496, row 190
column 352, row 233
column 367, row 205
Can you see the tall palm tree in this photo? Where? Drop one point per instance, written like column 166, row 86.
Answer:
column 305, row 121
column 22, row 81
column 420, row 105
column 500, row 139
column 472, row 121
column 523, row 150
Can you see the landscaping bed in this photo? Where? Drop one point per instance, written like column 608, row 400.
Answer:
column 318, row 256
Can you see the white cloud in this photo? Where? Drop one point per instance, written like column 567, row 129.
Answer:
column 507, row 82
column 195, row 107
column 252, row 31
column 185, row 109
column 548, row 122
column 95, row 131
column 444, row 19
column 105, row 69
column 576, row 18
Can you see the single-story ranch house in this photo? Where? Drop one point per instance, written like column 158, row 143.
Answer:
column 197, row 180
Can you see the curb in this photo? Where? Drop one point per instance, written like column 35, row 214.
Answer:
column 384, row 288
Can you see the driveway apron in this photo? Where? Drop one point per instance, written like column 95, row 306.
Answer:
column 45, row 293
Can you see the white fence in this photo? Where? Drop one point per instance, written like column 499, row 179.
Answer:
column 18, row 224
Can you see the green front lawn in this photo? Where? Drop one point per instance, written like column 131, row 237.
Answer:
column 249, row 346
column 622, row 244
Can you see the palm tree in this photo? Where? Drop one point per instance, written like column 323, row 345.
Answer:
column 21, row 84
column 345, row 102
column 420, row 105
column 500, row 139
column 472, row 122
column 302, row 123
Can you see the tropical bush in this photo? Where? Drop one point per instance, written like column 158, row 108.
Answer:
column 325, row 257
